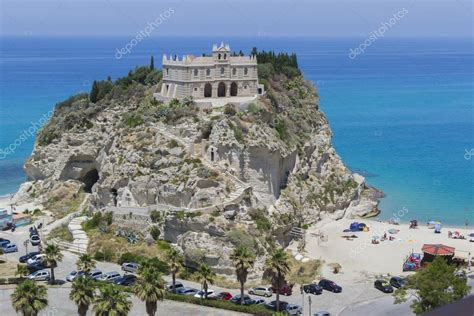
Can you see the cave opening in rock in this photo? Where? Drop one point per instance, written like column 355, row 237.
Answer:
column 90, row 179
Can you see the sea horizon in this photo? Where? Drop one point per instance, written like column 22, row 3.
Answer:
column 400, row 113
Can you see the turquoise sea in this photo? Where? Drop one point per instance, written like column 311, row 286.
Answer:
column 401, row 113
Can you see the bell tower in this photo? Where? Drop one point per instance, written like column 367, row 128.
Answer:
column 221, row 53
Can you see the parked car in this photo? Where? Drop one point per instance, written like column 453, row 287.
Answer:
column 36, row 258
column 286, row 289
column 272, row 305
column 322, row 313
column 247, row 300
column 126, row 280
column 41, row 275
column 262, row 291
column 36, row 266
column 131, row 267
column 95, row 274
column 186, row 291
column 312, row 288
column 330, row 286
column 109, row 276
column 35, row 240
column 4, row 242
column 292, row 309
column 397, row 282
column 202, row 294
column 177, row 285
column 383, row 286
column 10, row 248
column 24, row 258
column 73, row 275
column 259, row 301
column 224, row 296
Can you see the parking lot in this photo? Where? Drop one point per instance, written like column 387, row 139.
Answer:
column 354, row 297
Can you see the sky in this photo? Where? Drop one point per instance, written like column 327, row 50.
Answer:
column 315, row 18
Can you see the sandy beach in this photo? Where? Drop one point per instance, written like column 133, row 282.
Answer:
column 360, row 258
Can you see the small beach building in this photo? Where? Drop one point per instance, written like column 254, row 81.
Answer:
column 432, row 251
column 6, row 219
column 20, row 219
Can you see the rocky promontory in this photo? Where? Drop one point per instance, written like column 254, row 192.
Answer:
column 219, row 177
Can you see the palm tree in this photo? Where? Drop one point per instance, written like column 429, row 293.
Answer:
column 149, row 288
column 21, row 270
column 85, row 263
column 29, row 298
column 243, row 261
column 82, row 294
column 279, row 266
column 112, row 301
column 206, row 276
column 175, row 262
column 52, row 256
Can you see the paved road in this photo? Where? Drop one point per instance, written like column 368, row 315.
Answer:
column 60, row 305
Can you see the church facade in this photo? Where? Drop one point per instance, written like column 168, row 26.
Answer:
column 220, row 75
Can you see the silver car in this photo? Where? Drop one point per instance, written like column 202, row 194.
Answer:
column 41, row 275
column 109, row 277
column 262, row 291
column 95, row 274
column 73, row 275
column 292, row 309
column 131, row 267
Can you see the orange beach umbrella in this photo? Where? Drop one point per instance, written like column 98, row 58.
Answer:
column 438, row 249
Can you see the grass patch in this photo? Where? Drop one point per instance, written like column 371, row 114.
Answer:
column 303, row 272
column 61, row 232
column 7, row 269
column 63, row 207
column 110, row 247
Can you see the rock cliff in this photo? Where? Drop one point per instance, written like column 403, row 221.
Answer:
column 221, row 176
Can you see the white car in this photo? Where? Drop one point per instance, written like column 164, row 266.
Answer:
column 36, row 258
column 109, row 276
column 73, row 275
column 41, row 275
column 262, row 290
column 202, row 294
column 35, row 240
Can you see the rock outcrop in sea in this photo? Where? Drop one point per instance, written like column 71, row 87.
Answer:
column 220, row 177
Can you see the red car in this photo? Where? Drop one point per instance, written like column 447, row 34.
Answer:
column 286, row 289
column 224, row 296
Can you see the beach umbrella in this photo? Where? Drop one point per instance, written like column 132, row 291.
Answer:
column 438, row 249
column 471, row 235
column 393, row 231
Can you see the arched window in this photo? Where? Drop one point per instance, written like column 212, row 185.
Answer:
column 208, row 72
column 167, row 71
column 234, row 71
column 219, row 57
column 196, row 72
column 222, row 70
column 246, row 71
column 225, row 56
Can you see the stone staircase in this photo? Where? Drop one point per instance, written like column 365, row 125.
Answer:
column 80, row 242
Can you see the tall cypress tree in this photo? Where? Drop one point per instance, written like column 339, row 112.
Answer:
column 152, row 63
column 94, row 92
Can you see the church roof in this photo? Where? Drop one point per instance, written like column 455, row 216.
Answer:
column 222, row 48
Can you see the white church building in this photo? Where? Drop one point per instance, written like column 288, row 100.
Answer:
column 206, row 78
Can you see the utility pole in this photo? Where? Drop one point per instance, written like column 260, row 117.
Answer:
column 309, row 301
column 302, row 298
